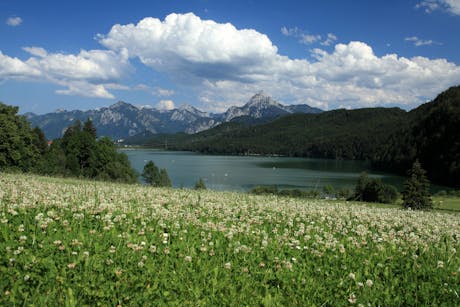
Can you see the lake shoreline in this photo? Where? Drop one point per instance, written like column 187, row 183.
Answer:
column 244, row 172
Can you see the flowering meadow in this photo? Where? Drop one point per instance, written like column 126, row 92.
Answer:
column 71, row 242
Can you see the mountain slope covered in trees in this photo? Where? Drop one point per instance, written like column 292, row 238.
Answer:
column 430, row 134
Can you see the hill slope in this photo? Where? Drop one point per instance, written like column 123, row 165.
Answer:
column 338, row 134
column 431, row 133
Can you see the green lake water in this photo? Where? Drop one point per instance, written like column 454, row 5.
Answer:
column 241, row 173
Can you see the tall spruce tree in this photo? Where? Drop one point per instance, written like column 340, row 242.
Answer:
column 416, row 194
column 89, row 128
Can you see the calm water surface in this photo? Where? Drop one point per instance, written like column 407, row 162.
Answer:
column 241, row 173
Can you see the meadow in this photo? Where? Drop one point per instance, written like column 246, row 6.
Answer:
column 73, row 242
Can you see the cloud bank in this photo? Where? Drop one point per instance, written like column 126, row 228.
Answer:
column 223, row 66
column 226, row 64
column 89, row 73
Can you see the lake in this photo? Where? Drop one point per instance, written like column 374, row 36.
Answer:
column 241, row 173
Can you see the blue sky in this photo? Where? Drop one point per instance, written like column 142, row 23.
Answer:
column 214, row 54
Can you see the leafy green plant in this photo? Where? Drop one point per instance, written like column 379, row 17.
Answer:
column 200, row 184
column 374, row 190
column 154, row 176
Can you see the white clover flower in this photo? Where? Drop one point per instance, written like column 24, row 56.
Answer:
column 352, row 298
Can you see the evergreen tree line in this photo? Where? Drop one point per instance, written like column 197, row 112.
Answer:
column 78, row 153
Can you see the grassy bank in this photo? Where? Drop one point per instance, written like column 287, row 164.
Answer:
column 71, row 242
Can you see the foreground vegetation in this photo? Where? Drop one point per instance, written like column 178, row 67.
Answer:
column 71, row 242
column 79, row 153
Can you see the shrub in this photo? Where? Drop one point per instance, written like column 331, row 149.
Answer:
column 154, row 176
column 374, row 190
column 200, row 185
column 260, row 190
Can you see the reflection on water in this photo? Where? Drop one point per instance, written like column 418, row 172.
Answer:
column 242, row 173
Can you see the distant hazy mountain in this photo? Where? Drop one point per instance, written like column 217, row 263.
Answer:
column 122, row 119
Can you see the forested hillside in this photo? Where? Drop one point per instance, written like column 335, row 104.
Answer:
column 431, row 133
column 338, row 134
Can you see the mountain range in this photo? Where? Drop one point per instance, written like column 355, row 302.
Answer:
column 122, row 120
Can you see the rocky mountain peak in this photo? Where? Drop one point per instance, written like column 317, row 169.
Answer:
column 193, row 110
column 122, row 119
column 121, row 105
column 260, row 100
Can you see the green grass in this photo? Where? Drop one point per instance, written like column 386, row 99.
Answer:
column 71, row 242
column 446, row 203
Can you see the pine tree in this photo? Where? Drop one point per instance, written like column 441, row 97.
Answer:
column 416, row 194
column 89, row 128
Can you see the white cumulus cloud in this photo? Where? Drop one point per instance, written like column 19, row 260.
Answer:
column 15, row 68
column 191, row 47
column 165, row 105
column 88, row 73
column 14, row 21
